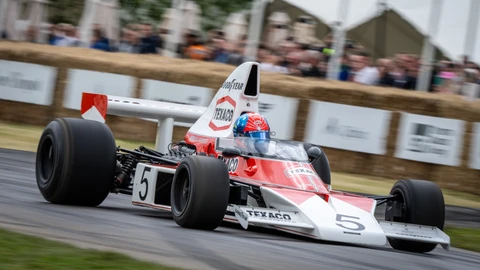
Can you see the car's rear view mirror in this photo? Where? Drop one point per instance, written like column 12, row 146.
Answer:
column 231, row 151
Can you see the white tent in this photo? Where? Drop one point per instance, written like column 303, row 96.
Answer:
column 111, row 20
column 9, row 12
column 103, row 12
column 277, row 28
column 189, row 13
column 37, row 15
column 191, row 16
column 452, row 27
column 235, row 26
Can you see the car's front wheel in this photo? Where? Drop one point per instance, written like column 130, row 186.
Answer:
column 200, row 192
column 417, row 202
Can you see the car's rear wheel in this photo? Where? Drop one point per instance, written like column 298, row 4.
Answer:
column 75, row 162
column 200, row 191
column 417, row 202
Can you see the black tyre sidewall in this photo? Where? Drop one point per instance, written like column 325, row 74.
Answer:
column 424, row 206
column 85, row 164
column 182, row 217
column 209, row 192
column 52, row 132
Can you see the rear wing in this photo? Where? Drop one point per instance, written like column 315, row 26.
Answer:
column 97, row 106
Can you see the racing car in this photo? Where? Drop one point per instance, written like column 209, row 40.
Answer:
column 212, row 177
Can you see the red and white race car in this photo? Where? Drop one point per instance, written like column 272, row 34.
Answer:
column 212, row 176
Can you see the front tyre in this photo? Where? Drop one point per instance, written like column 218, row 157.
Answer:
column 417, row 202
column 200, row 192
column 75, row 162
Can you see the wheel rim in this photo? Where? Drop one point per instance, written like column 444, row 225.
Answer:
column 47, row 160
column 181, row 192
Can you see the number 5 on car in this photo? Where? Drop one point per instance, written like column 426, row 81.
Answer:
column 144, row 184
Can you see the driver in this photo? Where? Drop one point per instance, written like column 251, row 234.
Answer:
column 255, row 126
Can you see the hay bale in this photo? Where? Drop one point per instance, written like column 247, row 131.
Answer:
column 24, row 113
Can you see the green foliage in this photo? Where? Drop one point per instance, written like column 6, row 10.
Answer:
column 18, row 252
column 65, row 11
column 134, row 11
column 466, row 238
column 214, row 12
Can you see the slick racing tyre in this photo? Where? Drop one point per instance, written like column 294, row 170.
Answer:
column 420, row 202
column 76, row 162
column 200, row 192
column 319, row 161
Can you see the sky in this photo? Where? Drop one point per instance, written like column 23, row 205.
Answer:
column 451, row 31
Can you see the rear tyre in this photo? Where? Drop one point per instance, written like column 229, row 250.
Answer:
column 75, row 162
column 200, row 192
column 320, row 163
column 421, row 202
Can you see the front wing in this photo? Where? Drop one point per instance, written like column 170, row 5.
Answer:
column 331, row 219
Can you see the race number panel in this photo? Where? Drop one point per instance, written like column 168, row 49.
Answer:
column 144, row 184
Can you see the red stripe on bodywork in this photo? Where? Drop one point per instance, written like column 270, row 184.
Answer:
column 355, row 200
column 296, row 196
column 90, row 100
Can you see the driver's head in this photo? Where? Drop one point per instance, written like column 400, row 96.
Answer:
column 255, row 126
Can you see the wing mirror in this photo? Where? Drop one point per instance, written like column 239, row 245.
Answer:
column 314, row 152
column 231, row 152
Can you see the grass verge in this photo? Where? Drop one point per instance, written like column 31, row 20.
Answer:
column 25, row 137
column 465, row 238
column 18, row 252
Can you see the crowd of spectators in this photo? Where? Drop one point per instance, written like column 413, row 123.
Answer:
column 289, row 57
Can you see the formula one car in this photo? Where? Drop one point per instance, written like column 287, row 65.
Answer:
column 212, row 176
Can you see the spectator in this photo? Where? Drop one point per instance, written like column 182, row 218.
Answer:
column 103, row 37
column 236, row 57
column 385, row 67
column 313, row 59
column 56, row 34
column 31, row 34
column 219, row 51
column 127, row 41
column 272, row 63
column 99, row 41
column 293, row 61
column 364, row 72
column 149, row 41
column 197, row 50
column 345, row 68
column 70, row 39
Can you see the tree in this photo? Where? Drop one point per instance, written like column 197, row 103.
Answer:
column 214, row 12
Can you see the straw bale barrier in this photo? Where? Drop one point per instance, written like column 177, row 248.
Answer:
column 212, row 75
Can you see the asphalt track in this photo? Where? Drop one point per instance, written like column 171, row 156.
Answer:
column 150, row 234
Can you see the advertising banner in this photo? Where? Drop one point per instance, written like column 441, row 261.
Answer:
column 430, row 139
column 28, row 83
column 80, row 81
column 347, row 127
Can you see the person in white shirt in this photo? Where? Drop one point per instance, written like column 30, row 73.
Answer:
column 271, row 63
column 364, row 72
column 69, row 39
